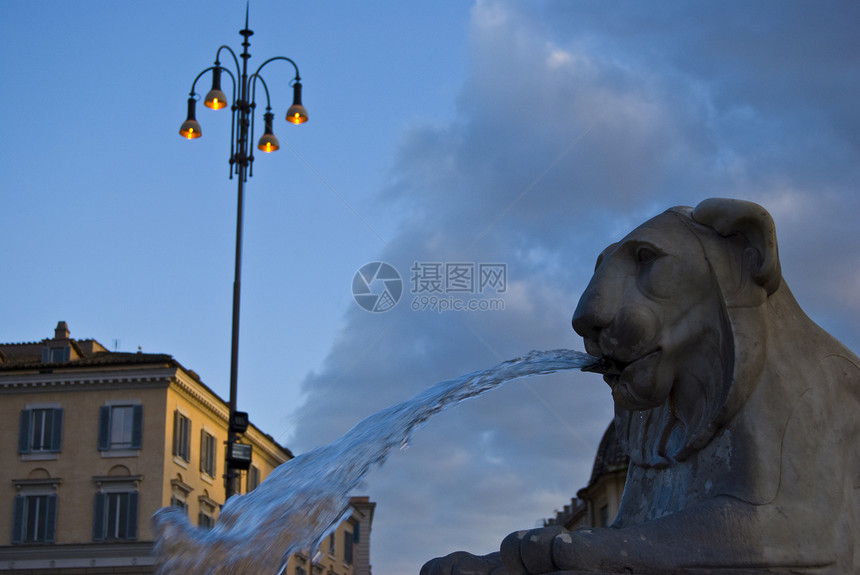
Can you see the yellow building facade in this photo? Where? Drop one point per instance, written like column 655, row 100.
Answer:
column 93, row 442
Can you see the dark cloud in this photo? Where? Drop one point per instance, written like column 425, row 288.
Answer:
column 578, row 121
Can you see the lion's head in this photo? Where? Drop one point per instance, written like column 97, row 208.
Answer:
column 663, row 309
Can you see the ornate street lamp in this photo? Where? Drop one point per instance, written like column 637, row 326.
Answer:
column 238, row 455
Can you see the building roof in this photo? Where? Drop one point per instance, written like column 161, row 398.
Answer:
column 83, row 352
column 87, row 353
column 29, row 355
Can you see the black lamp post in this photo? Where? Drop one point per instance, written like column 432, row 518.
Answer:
column 238, row 455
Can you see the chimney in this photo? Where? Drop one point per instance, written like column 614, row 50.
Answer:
column 62, row 331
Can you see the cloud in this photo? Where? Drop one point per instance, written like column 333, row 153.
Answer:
column 577, row 122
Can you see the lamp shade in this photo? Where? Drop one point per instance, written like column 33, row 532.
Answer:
column 297, row 113
column 268, row 141
column 216, row 99
column 190, row 128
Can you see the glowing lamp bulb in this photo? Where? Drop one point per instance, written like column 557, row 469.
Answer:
column 190, row 127
column 268, row 143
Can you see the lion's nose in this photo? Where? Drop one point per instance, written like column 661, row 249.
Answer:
column 592, row 314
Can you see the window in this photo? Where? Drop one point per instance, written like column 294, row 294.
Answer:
column 120, row 427
column 175, row 501
column 115, row 516
column 35, row 518
column 205, row 520
column 206, row 516
column 253, row 479
column 56, row 354
column 208, row 453
column 41, row 430
column 181, row 436
column 332, row 547
column 180, row 493
column 347, row 547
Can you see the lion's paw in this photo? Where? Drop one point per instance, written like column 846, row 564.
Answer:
column 552, row 549
column 531, row 552
column 462, row 563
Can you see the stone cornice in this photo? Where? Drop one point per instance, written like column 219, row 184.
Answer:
column 78, row 556
column 200, row 395
column 102, row 479
column 218, row 409
column 72, row 380
column 41, row 482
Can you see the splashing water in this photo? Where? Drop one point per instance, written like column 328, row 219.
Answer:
column 301, row 500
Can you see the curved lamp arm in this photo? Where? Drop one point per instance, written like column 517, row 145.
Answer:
column 252, row 79
column 296, row 79
column 297, row 114
column 232, row 53
column 213, row 67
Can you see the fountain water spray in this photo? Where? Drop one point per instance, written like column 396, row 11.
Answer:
column 295, row 508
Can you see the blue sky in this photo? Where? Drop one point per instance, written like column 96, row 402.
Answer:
column 530, row 134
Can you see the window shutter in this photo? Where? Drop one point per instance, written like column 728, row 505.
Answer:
column 186, row 449
column 104, row 428
column 137, row 427
column 176, row 432
column 131, row 531
column 347, row 548
column 185, row 438
column 18, row 520
column 204, row 453
column 24, row 435
column 50, row 518
column 57, row 435
column 99, row 518
column 213, row 456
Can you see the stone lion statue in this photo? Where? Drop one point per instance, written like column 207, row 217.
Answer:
column 740, row 415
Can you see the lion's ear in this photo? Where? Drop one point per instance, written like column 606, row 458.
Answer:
column 753, row 223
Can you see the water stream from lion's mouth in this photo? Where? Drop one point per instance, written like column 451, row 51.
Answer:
column 297, row 505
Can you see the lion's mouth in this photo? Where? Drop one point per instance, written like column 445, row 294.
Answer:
column 613, row 368
column 601, row 365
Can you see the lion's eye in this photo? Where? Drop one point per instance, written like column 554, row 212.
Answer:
column 645, row 255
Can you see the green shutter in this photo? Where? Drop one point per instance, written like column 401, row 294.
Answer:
column 186, row 443
column 24, row 432
column 57, row 435
column 18, row 520
column 131, row 529
column 137, row 427
column 203, row 451
column 104, row 428
column 50, row 518
column 176, row 432
column 99, row 517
